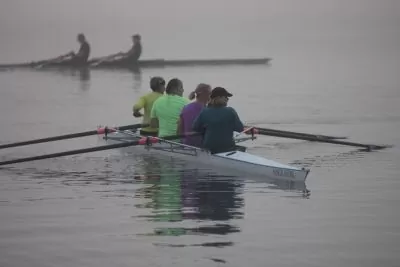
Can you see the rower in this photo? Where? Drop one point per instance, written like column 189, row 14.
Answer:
column 157, row 85
column 133, row 55
column 218, row 122
column 166, row 109
column 83, row 54
column 191, row 111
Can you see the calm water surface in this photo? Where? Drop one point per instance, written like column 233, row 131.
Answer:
column 338, row 76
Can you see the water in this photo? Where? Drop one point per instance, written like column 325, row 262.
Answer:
column 334, row 71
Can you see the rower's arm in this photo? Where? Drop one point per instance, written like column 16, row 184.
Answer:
column 154, row 123
column 198, row 124
column 138, row 106
column 131, row 51
column 180, row 129
column 238, row 125
column 153, row 116
column 126, row 54
column 79, row 54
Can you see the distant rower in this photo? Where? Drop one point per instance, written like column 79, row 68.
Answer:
column 83, row 54
column 133, row 55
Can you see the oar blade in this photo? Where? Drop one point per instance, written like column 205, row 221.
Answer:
column 368, row 147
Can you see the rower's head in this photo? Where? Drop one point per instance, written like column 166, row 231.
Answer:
column 136, row 38
column 81, row 38
column 157, row 84
column 219, row 97
column 202, row 93
column 174, row 87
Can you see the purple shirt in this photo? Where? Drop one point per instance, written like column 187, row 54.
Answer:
column 188, row 115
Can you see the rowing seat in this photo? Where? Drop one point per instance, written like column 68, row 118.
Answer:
column 240, row 148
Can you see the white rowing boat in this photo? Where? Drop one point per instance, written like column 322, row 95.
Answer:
column 240, row 162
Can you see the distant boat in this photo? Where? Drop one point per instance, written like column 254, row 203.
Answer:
column 150, row 63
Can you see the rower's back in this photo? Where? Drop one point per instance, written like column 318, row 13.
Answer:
column 146, row 102
column 136, row 49
column 166, row 109
column 84, row 51
column 218, row 123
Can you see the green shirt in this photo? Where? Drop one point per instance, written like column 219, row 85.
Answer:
column 167, row 110
column 146, row 102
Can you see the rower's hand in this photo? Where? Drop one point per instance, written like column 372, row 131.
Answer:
column 137, row 114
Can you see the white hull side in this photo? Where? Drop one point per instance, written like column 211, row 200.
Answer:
column 237, row 163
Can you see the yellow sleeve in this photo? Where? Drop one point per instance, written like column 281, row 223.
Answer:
column 153, row 113
column 140, row 104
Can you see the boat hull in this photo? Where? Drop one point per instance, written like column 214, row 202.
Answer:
column 151, row 63
column 234, row 162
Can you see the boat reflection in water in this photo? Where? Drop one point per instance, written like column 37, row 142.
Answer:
column 193, row 196
column 137, row 78
column 189, row 195
column 83, row 75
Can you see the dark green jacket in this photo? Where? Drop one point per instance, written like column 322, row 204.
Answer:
column 218, row 125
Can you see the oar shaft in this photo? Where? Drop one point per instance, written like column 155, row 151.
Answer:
column 48, row 139
column 66, row 136
column 141, row 141
column 70, row 153
column 322, row 140
column 55, row 60
column 300, row 134
column 101, row 60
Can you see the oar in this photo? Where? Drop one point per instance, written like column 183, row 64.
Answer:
column 56, row 60
column 300, row 134
column 141, row 141
column 71, row 152
column 369, row 147
column 101, row 60
column 73, row 135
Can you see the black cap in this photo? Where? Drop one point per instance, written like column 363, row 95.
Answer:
column 219, row 91
column 155, row 82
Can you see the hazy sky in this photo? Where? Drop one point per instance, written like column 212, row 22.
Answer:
column 12, row 10
column 45, row 27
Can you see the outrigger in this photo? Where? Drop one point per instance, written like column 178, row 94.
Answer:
column 240, row 161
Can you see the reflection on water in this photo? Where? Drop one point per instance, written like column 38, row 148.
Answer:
column 182, row 201
column 176, row 195
column 174, row 200
column 82, row 75
column 332, row 160
column 137, row 78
